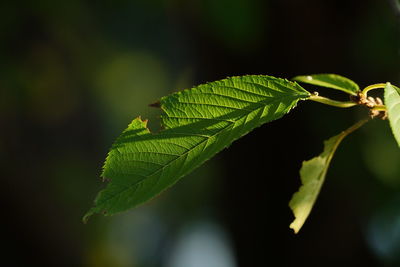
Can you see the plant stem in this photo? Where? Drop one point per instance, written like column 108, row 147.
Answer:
column 355, row 127
column 379, row 107
column 372, row 87
column 330, row 102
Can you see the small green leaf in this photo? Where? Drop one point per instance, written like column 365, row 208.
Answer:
column 392, row 102
column 333, row 81
column 198, row 123
column 312, row 175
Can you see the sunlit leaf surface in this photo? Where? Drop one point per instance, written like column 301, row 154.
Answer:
column 333, row 81
column 392, row 102
column 312, row 175
column 197, row 123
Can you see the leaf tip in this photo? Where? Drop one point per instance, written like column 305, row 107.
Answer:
column 92, row 211
column 294, row 227
column 86, row 217
column 297, row 223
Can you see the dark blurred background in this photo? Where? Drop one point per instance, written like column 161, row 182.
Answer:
column 75, row 73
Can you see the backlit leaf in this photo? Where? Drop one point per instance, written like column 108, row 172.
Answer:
column 333, row 81
column 392, row 102
column 312, row 175
column 198, row 123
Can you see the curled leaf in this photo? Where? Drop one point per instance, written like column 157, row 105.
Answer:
column 312, row 174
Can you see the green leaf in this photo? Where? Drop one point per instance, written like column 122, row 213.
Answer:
column 197, row 123
column 333, row 81
column 392, row 102
column 312, row 175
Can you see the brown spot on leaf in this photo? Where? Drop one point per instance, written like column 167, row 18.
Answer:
column 155, row 104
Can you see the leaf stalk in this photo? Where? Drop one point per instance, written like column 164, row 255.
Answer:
column 331, row 102
column 372, row 87
column 379, row 108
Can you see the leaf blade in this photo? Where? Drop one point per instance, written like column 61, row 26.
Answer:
column 332, row 81
column 392, row 102
column 198, row 123
column 312, row 174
